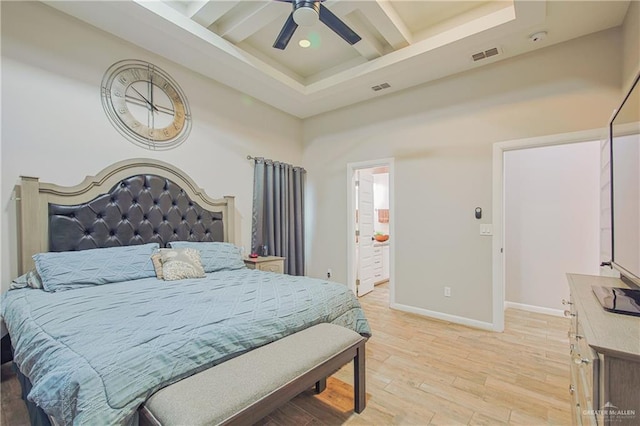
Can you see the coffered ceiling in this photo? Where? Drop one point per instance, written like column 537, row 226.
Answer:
column 404, row 43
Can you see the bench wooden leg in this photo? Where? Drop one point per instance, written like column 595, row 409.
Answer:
column 321, row 385
column 359, row 388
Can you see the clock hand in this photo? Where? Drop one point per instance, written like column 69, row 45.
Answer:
column 165, row 110
column 145, row 99
column 153, row 124
column 151, row 89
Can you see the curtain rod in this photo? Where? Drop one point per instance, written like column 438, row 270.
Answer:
column 249, row 157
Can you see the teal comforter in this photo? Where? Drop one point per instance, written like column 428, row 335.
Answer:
column 95, row 354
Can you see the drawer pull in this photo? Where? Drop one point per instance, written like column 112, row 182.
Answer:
column 572, row 389
column 569, row 314
column 566, row 302
column 579, row 360
column 575, row 335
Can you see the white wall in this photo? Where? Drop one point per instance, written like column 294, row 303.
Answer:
column 54, row 127
column 630, row 45
column 551, row 222
column 441, row 137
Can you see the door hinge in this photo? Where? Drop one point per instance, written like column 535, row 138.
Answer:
column 357, row 283
column 357, row 183
column 357, row 233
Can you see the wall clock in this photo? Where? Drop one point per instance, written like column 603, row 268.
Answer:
column 145, row 104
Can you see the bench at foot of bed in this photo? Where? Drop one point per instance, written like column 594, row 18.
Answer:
column 246, row 388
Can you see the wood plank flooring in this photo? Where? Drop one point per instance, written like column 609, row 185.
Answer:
column 428, row 372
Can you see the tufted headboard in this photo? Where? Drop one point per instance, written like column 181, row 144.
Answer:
column 131, row 202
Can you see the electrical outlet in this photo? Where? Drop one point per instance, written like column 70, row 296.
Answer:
column 329, row 273
column 447, row 292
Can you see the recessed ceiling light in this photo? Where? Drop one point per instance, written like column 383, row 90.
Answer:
column 304, row 43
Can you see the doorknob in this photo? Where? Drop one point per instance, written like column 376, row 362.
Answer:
column 373, row 238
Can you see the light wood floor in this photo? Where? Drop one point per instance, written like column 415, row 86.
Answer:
column 423, row 372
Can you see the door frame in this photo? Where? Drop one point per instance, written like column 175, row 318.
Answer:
column 351, row 224
column 498, row 266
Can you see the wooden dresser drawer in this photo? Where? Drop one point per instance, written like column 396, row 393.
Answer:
column 586, row 363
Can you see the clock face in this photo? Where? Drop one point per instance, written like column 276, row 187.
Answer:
column 145, row 104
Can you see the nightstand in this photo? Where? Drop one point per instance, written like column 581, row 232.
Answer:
column 266, row 263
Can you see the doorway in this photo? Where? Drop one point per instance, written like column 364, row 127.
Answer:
column 498, row 244
column 551, row 222
column 370, row 253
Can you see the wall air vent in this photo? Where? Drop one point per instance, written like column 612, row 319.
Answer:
column 486, row 54
column 380, row 87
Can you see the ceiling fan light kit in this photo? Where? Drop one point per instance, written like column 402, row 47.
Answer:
column 307, row 13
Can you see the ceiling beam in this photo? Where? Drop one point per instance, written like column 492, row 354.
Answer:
column 385, row 18
column 349, row 12
column 369, row 47
column 258, row 16
column 206, row 12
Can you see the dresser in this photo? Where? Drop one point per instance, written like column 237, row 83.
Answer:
column 605, row 357
column 266, row 263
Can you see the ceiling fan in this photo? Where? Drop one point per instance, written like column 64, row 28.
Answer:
column 307, row 13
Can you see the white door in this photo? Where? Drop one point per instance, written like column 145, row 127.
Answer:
column 365, row 231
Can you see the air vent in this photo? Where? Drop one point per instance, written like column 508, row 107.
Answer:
column 380, row 87
column 491, row 52
column 486, row 54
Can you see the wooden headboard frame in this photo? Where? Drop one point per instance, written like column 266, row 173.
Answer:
column 34, row 199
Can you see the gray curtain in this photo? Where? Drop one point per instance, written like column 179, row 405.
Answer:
column 278, row 212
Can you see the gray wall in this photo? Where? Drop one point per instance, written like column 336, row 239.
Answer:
column 441, row 137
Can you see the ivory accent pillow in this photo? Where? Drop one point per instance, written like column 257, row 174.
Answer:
column 157, row 264
column 182, row 263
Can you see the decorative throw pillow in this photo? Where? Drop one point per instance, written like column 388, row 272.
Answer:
column 215, row 256
column 178, row 264
column 156, row 258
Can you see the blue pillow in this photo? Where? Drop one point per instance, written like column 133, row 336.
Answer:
column 215, row 256
column 74, row 269
column 30, row 279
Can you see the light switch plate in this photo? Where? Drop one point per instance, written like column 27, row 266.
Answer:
column 486, row 229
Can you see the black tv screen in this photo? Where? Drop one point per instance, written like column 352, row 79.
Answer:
column 624, row 133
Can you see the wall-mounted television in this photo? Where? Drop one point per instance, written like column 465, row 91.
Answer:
column 624, row 138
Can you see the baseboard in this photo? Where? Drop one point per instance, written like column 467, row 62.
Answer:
column 444, row 317
column 536, row 309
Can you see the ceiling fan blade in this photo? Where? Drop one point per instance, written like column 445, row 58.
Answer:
column 285, row 33
column 332, row 21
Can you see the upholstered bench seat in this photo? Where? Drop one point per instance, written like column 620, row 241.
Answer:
column 250, row 386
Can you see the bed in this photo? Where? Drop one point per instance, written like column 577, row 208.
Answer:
column 107, row 334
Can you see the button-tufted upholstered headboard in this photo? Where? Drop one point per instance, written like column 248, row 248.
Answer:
column 131, row 202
